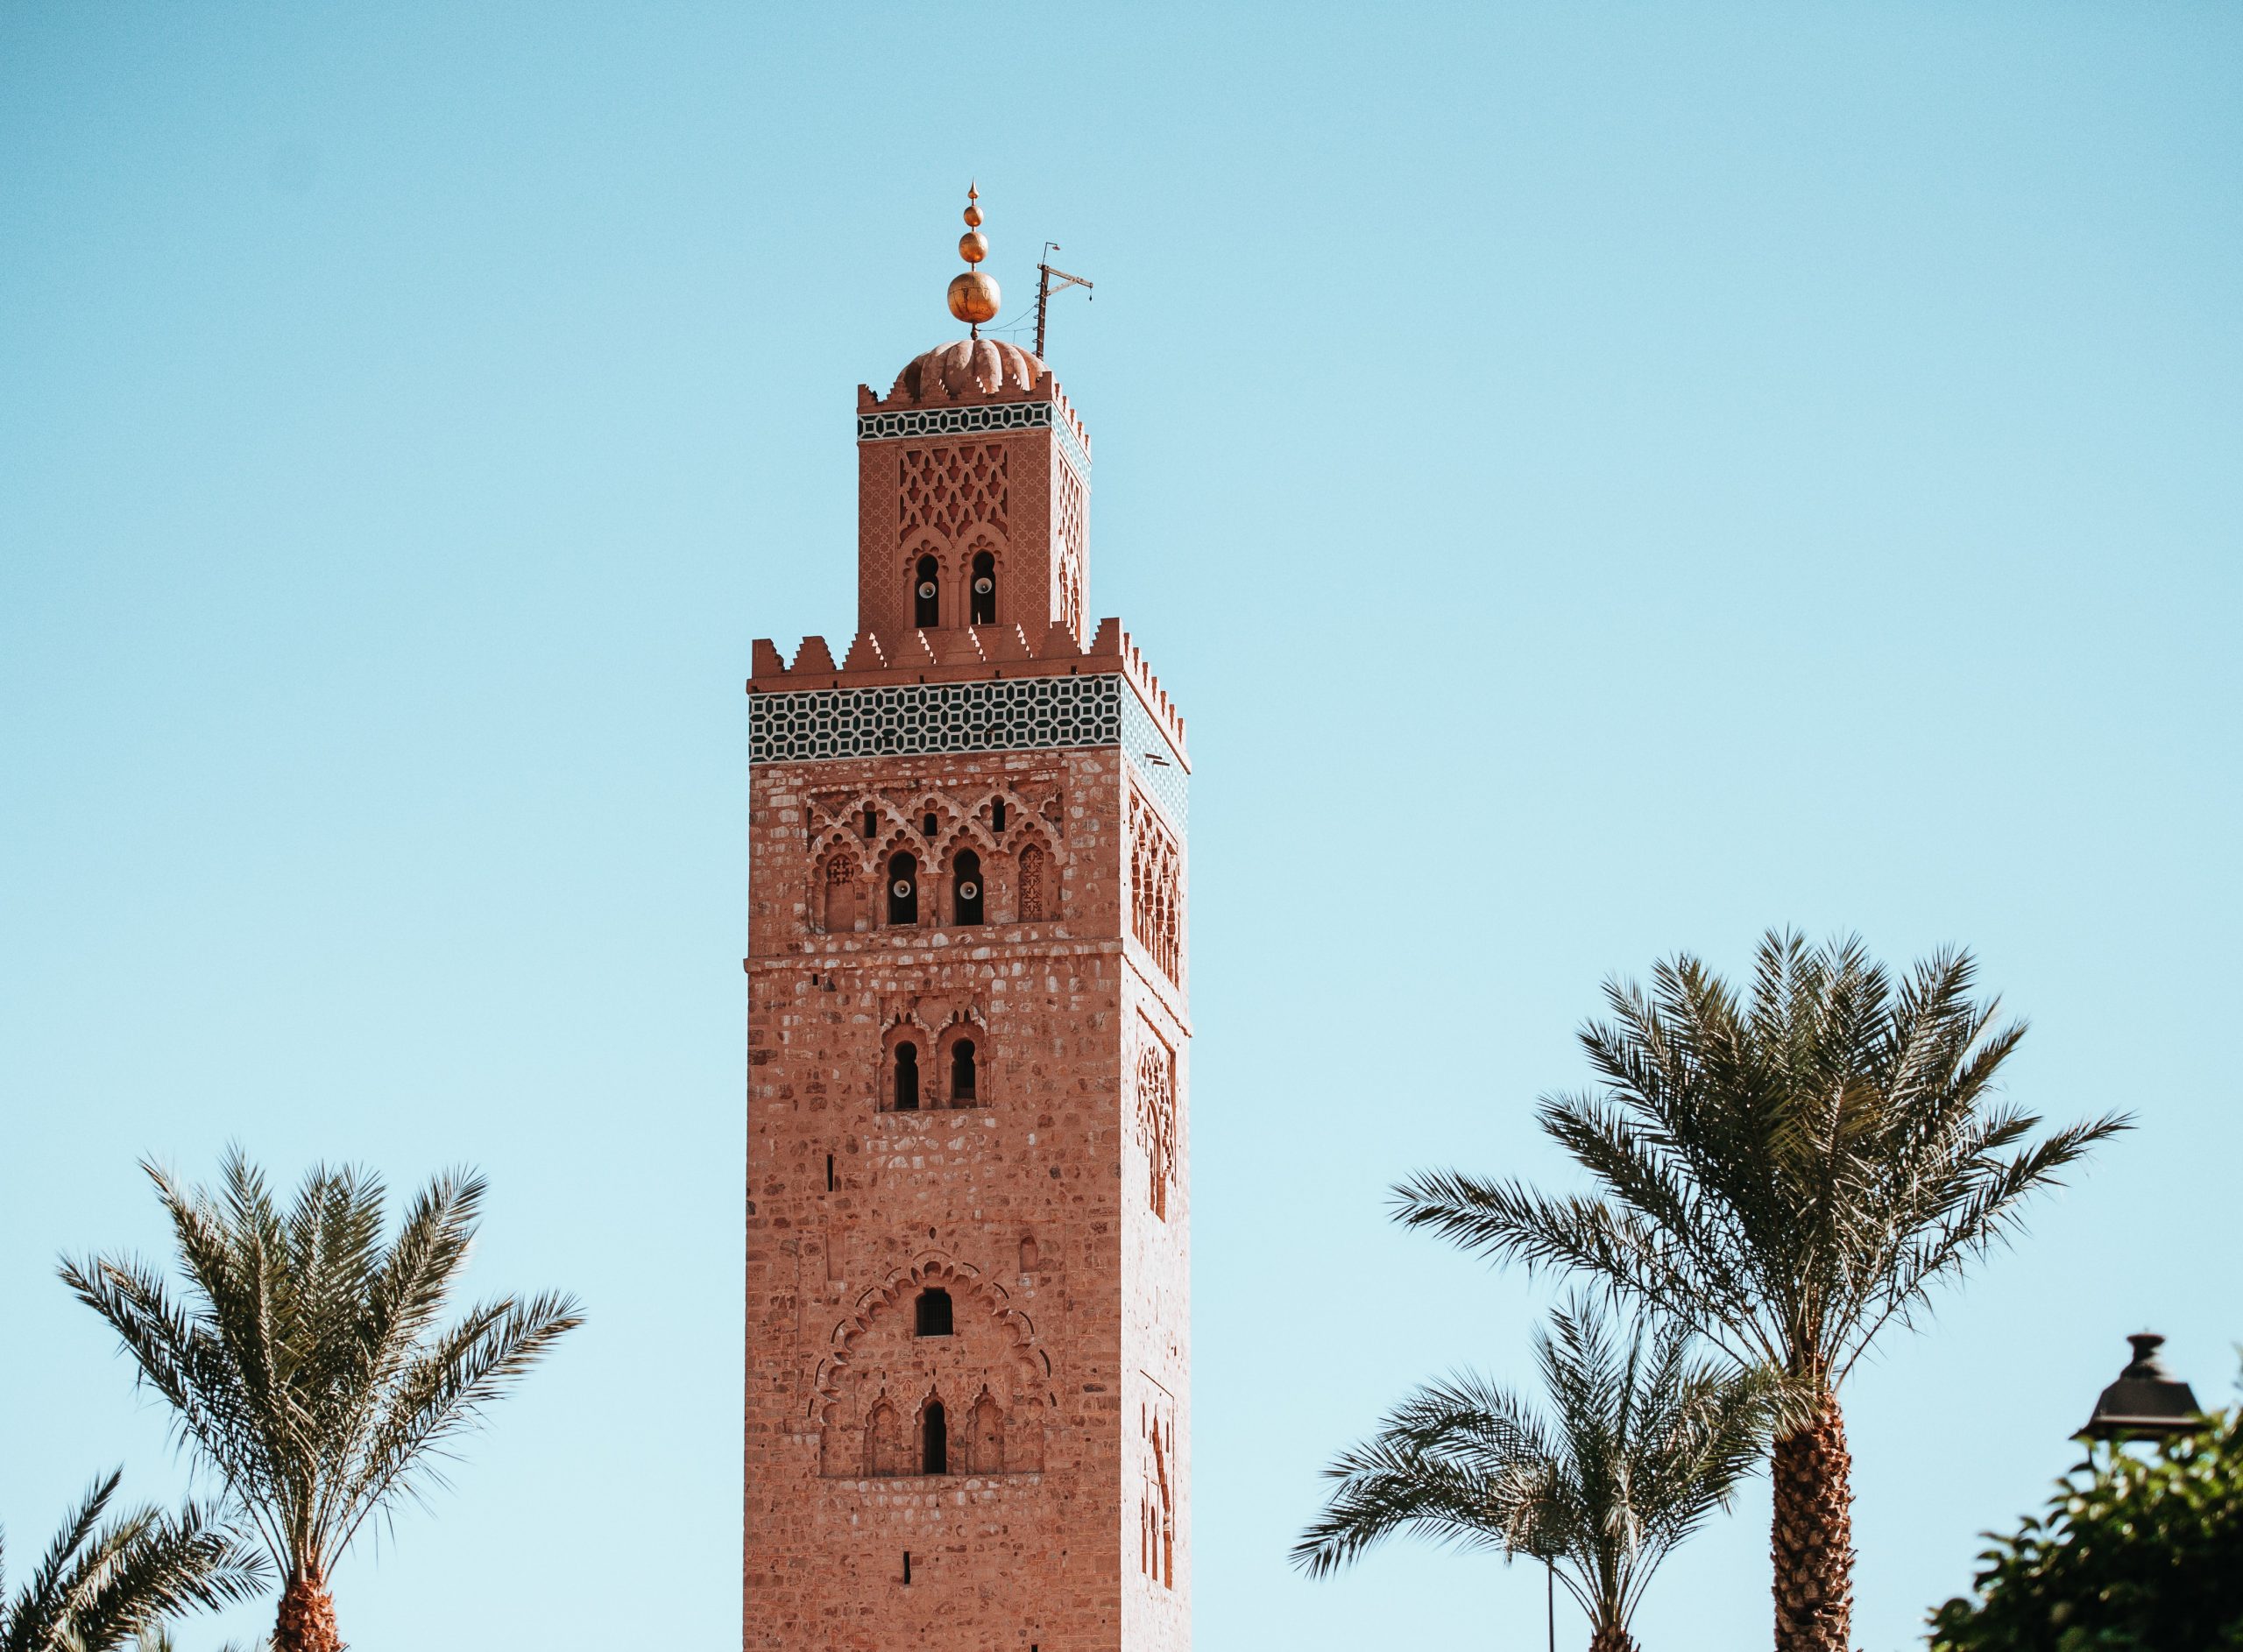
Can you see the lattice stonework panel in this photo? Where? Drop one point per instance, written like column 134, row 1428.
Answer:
column 1155, row 888
column 1156, row 765
column 968, row 422
column 1071, row 536
column 1031, row 714
column 951, row 489
column 1156, row 1117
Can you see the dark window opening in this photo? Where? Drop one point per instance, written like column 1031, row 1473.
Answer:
column 903, row 889
column 966, row 887
column 934, row 1312
column 872, row 822
column 926, row 595
column 906, row 1079
column 930, row 825
column 829, row 1173
column 907, row 1568
column 997, row 815
column 961, row 1071
column 935, row 1455
column 985, row 588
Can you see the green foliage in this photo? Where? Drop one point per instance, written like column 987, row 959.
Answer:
column 102, row 1585
column 1641, row 1442
column 1785, row 1170
column 2132, row 1554
column 305, row 1361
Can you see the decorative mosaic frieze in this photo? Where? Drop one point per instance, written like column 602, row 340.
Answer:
column 966, row 421
column 1025, row 714
column 1159, row 770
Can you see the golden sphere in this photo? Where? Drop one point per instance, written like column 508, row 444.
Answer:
column 974, row 297
column 973, row 217
column 974, row 246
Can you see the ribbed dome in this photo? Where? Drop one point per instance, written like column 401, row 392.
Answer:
column 965, row 367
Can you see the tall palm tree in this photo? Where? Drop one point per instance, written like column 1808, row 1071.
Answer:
column 100, row 1586
column 1786, row 1173
column 1643, row 1442
column 304, row 1362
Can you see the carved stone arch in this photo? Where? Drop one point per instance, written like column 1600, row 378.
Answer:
column 838, row 883
column 919, row 1075
column 983, row 813
column 995, row 605
column 1032, row 869
column 899, row 839
column 986, row 1318
column 963, row 1084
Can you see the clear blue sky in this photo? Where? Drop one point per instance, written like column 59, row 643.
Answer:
column 1600, row 478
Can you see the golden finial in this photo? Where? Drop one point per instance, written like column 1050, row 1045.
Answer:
column 974, row 295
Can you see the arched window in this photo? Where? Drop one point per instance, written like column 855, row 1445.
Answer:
column 933, row 1312
column 906, row 1078
column 984, row 588
column 961, row 1071
column 997, row 815
column 926, row 595
column 934, row 1453
column 966, row 887
column 903, row 889
column 1031, row 884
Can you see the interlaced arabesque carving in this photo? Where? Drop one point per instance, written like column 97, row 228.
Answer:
column 874, row 1392
column 948, row 489
column 852, row 835
column 1157, row 1501
column 1155, row 888
column 1156, row 1118
column 1070, row 538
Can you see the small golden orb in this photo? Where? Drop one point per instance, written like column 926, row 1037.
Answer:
column 974, row 246
column 973, row 217
column 974, row 297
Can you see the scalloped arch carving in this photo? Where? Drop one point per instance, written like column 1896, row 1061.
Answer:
column 877, row 1368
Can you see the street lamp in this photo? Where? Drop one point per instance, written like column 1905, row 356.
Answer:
column 2147, row 1403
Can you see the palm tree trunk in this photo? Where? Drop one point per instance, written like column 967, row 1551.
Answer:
column 1814, row 1536
column 307, row 1622
column 1611, row 1641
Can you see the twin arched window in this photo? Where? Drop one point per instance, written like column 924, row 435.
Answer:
column 966, row 887
column 927, row 594
column 981, row 589
column 902, row 888
column 903, row 1086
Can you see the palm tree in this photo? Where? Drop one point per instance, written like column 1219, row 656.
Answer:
column 1787, row 1175
column 100, row 1586
column 1644, row 1442
column 304, row 1363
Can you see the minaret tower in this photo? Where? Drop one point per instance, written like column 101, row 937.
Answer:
column 967, row 1409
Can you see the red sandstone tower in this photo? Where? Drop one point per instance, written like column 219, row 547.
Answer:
column 967, row 1410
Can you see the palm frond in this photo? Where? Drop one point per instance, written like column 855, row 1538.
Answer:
column 304, row 1359
column 103, row 1583
column 1638, row 1445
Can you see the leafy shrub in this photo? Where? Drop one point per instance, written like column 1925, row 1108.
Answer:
column 2133, row 1554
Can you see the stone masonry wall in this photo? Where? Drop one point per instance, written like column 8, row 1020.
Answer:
column 1031, row 1207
